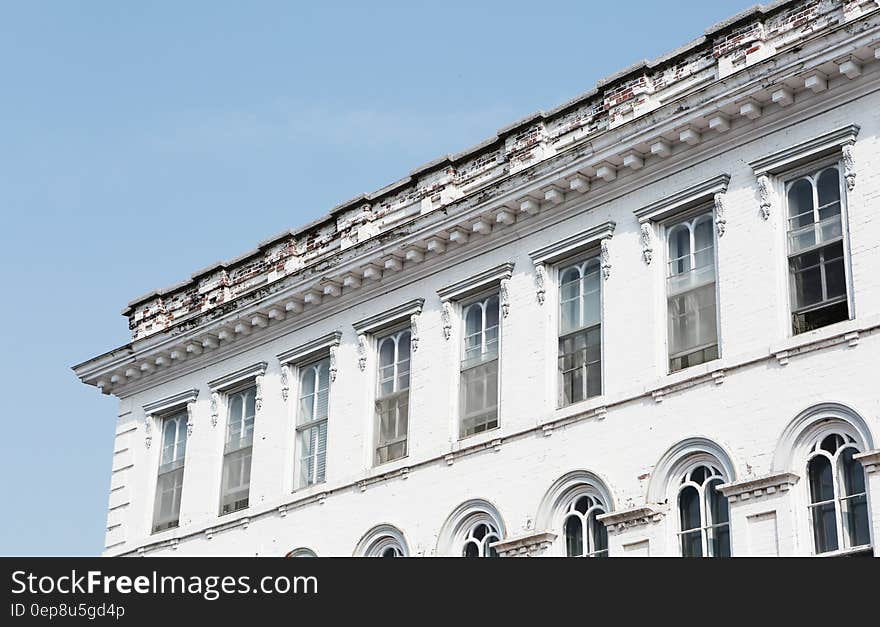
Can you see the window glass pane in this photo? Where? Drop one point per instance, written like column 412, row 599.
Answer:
column 692, row 544
column 471, row 549
column 599, row 535
column 679, row 249
column 570, row 299
column 717, row 503
column 492, row 310
column 473, row 330
column 689, row 508
column 828, row 191
column 704, row 242
column 574, row 537
column 479, row 388
column 853, row 473
column 807, row 277
column 719, row 540
column 800, row 203
column 386, row 352
column 592, row 294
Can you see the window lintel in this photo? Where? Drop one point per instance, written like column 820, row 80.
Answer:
column 477, row 283
column 229, row 381
column 166, row 405
column 389, row 318
column 683, row 200
column 309, row 350
column 572, row 245
column 816, row 148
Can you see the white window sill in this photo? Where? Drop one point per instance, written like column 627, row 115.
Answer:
column 846, row 331
column 865, row 548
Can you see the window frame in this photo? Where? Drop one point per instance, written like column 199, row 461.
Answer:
column 812, row 168
column 841, row 531
column 590, row 252
column 690, row 215
column 569, row 510
column 300, row 369
column 472, row 299
column 155, row 413
column 227, row 396
column 684, row 481
column 181, row 416
column 377, row 338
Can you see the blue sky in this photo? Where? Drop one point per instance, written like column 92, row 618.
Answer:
column 142, row 141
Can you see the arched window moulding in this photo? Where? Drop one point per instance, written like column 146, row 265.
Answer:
column 553, row 508
column 382, row 541
column 462, row 520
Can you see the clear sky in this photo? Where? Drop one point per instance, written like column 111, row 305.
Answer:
column 140, row 142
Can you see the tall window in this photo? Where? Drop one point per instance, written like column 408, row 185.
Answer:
column 584, row 535
column 703, row 514
column 479, row 366
column 392, row 396
column 838, row 502
column 478, row 540
column 237, row 451
column 311, row 422
column 690, row 292
column 815, row 250
column 169, row 486
column 580, row 332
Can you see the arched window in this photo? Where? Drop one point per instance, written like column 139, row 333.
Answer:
column 690, row 292
column 838, row 501
column 470, row 530
column 478, row 540
column 704, row 528
column 301, row 552
column 584, row 535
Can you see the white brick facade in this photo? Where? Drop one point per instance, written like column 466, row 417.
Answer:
column 750, row 409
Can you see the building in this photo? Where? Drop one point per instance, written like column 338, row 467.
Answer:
column 646, row 322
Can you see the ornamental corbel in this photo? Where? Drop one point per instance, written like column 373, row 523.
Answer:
column 333, row 366
column 540, row 282
column 285, row 381
column 148, row 430
column 605, row 257
column 446, row 319
column 647, row 246
column 362, row 351
column 720, row 219
column 258, row 396
column 504, row 296
column 764, row 193
column 215, row 408
column 190, row 417
column 414, row 332
column 849, row 166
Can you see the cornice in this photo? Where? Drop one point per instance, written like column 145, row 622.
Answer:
column 390, row 317
column 239, row 376
column 621, row 520
column 476, row 283
column 684, row 199
column 815, row 148
column 310, row 349
column 870, row 460
column 425, row 239
column 573, row 244
column 526, row 545
column 756, row 488
column 177, row 401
